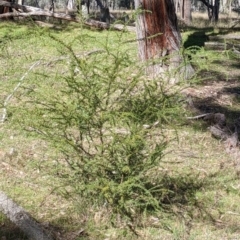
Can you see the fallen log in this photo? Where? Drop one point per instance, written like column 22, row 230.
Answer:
column 221, row 45
column 231, row 38
column 28, row 11
column 19, row 7
column 90, row 22
column 22, row 219
column 97, row 24
column 40, row 13
column 103, row 25
column 215, row 46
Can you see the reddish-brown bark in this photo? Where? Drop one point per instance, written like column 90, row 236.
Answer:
column 158, row 33
column 161, row 26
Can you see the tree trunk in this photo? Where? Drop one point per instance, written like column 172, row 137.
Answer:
column 22, row 219
column 187, row 17
column 4, row 9
column 99, row 3
column 216, row 10
column 88, row 6
column 210, row 11
column 176, row 2
column 158, row 36
column 213, row 9
column 105, row 15
column 181, row 9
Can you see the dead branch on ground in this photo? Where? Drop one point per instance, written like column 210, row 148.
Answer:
column 22, row 219
column 220, row 129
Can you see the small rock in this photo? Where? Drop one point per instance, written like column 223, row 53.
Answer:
column 218, row 132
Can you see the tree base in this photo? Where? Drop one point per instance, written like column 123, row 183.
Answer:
column 170, row 74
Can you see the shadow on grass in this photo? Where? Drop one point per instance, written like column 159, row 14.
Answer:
column 197, row 38
column 183, row 202
column 9, row 231
column 181, row 189
column 233, row 90
column 210, row 104
column 201, row 35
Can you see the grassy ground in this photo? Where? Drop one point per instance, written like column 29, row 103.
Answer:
column 197, row 167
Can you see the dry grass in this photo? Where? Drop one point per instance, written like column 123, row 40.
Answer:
column 200, row 20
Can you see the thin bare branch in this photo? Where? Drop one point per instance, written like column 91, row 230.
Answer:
column 8, row 98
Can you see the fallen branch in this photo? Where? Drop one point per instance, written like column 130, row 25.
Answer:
column 28, row 11
column 16, row 6
column 213, row 118
column 97, row 24
column 103, row 25
column 40, row 13
column 90, row 22
column 121, row 27
column 22, row 219
column 199, row 116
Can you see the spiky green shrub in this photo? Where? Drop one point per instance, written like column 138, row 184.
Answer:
column 101, row 117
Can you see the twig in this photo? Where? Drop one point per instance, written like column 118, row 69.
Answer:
column 146, row 126
column 199, row 116
column 4, row 114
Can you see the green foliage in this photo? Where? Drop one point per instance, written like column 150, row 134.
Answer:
column 96, row 120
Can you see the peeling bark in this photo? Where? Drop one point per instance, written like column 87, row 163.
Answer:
column 157, row 25
column 160, row 39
